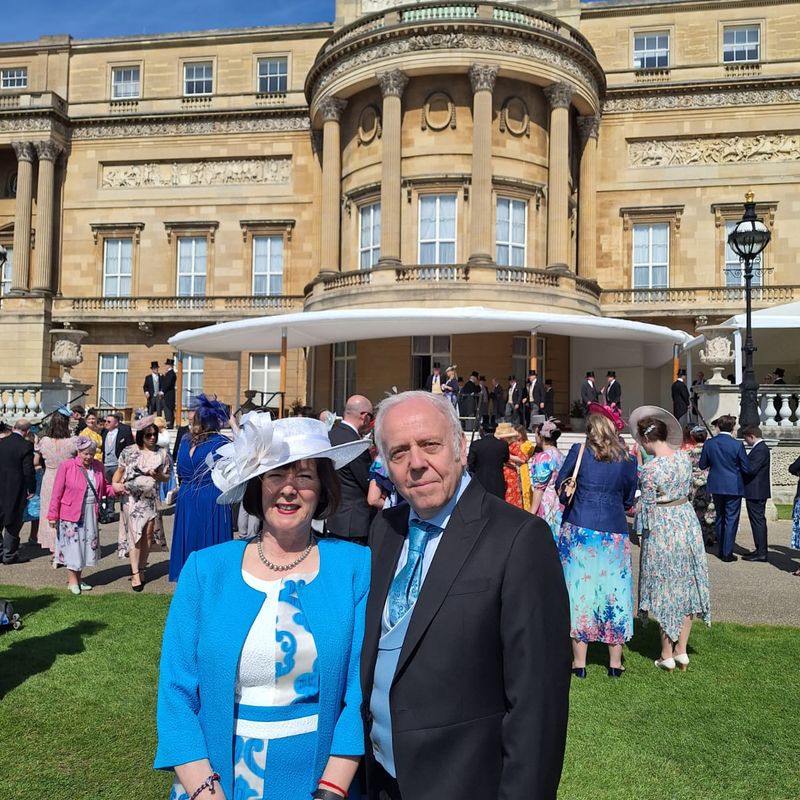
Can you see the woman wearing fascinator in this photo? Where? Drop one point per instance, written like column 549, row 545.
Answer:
column 259, row 690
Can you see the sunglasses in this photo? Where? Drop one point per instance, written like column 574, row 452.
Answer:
column 151, row 436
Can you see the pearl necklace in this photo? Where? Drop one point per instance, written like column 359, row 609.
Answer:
column 284, row 567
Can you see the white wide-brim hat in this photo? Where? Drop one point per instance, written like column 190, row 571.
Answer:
column 263, row 444
column 674, row 430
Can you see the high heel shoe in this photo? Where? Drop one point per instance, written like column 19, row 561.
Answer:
column 138, row 588
column 615, row 672
column 682, row 661
column 579, row 672
column 667, row 664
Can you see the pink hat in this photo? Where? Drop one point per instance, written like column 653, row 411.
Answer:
column 609, row 412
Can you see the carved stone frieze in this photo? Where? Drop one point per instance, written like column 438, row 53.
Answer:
column 332, row 108
column 757, row 98
column 238, row 171
column 25, row 124
column 392, row 83
column 25, row 151
column 482, row 77
column 48, row 150
column 559, row 95
column 589, row 127
column 372, row 6
column 756, row 148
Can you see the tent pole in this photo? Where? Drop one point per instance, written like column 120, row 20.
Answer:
column 238, row 384
column 282, row 405
column 737, row 347
column 179, row 391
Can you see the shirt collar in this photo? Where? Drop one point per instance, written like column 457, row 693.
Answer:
column 352, row 427
column 443, row 517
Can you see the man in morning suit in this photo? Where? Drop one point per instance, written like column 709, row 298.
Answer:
column 434, row 381
column 513, row 412
column 680, row 398
column 354, row 516
column 168, row 381
column 589, row 393
column 485, row 461
column 465, row 667
column 613, row 391
column 153, row 390
column 757, row 491
column 534, row 398
column 17, row 485
column 726, row 461
column 114, row 439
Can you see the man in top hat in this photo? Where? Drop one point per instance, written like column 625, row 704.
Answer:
column 549, row 399
column 434, row 382
column 513, row 412
column 681, row 402
column 168, row 382
column 589, row 392
column 152, row 390
column 779, row 373
column 613, row 390
column 533, row 401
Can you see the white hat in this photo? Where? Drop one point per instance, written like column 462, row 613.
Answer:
column 263, row 444
column 674, row 430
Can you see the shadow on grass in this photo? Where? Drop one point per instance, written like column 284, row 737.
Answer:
column 26, row 606
column 122, row 572
column 646, row 642
column 783, row 558
column 28, row 657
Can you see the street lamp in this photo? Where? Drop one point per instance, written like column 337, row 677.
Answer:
column 748, row 239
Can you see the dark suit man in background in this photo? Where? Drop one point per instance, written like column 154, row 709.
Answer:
column 485, row 461
column 513, row 411
column 549, row 399
column 589, row 392
column 168, row 382
column 152, row 390
column 17, row 485
column 354, row 516
column 435, row 380
column 613, row 391
column 465, row 687
column 114, row 439
column 680, row 398
column 534, row 397
column 497, row 400
column 180, row 433
column 757, row 491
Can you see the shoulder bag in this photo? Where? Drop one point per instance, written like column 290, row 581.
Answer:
column 570, row 485
column 105, row 515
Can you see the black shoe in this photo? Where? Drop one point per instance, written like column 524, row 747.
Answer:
column 615, row 672
column 729, row 558
column 754, row 556
column 16, row 560
column 579, row 672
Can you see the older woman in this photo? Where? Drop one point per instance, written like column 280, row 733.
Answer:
column 673, row 573
column 544, row 474
column 259, row 689
column 73, row 511
column 593, row 542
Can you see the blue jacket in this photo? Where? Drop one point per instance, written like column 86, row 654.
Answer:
column 209, row 619
column 726, row 461
column 605, row 490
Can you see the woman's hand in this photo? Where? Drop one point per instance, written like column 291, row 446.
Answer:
column 119, row 487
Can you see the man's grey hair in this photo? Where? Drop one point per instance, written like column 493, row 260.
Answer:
column 22, row 425
column 439, row 402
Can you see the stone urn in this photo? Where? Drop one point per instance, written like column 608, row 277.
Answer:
column 67, row 350
column 717, row 355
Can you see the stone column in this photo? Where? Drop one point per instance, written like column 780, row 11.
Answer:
column 559, row 95
column 331, row 109
column 589, row 128
column 392, row 85
column 22, row 219
column 48, row 152
column 482, row 77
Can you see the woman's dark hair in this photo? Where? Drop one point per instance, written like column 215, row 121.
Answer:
column 651, row 429
column 59, row 426
column 553, row 437
column 140, row 435
column 329, row 497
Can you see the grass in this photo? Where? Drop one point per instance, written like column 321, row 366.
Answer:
column 784, row 510
column 78, row 685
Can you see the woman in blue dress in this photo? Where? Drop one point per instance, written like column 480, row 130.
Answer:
column 593, row 543
column 259, row 692
column 199, row 520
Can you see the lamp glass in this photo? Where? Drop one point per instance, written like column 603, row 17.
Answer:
column 749, row 238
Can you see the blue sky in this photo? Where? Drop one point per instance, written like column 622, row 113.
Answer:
column 24, row 21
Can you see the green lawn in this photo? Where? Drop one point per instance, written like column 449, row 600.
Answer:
column 78, row 683
column 784, row 510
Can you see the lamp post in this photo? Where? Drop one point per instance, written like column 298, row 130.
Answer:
column 748, row 239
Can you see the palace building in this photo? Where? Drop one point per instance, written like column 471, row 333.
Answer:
column 586, row 158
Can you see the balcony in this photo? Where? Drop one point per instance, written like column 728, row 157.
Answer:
column 32, row 101
column 511, row 288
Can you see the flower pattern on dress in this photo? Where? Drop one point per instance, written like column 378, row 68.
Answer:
column 544, row 473
column 796, row 525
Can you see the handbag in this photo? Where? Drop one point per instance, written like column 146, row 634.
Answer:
column 105, row 514
column 568, row 488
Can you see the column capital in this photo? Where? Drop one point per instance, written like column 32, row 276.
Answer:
column 48, row 150
column 559, row 95
column 25, row 151
column 331, row 109
column 392, row 83
column 482, row 77
column 589, row 127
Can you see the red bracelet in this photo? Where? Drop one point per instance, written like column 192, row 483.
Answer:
column 334, row 787
column 208, row 783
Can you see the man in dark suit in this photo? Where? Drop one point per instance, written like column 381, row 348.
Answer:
column 533, row 400
column 589, row 392
column 435, row 381
column 485, row 461
column 497, row 401
column 549, row 399
column 757, row 491
column 613, row 391
column 114, row 439
column 153, row 391
column 726, row 461
column 465, row 687
column 168, row 382
column 354, row 516
column 680, row 398
column 179, row 434
column 513, row 411
column 17, row 486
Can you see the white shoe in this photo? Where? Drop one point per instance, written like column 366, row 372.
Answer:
column 682, row 661
column 667, row 664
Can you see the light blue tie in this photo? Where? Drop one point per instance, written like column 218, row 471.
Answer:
column 406, row 584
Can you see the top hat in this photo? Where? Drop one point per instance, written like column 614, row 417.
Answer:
column 780, row 371
column 482, row 378
column 154, row 365
column 170, row 362
column 437, row 365
column 590, row 373
column 531, row 373
column 473, row 374
column 511, row 377
column 548, row 381
column 611, row 374
column 681, row 373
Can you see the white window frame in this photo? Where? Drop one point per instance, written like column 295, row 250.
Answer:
column 343, row 374
column 369, row 253
column 735, row 277
column 650, row 264
column 193, row 65
column 115, row 365
column 272, row 82
column 514, row 248
column 272, row 268
column 127, row 87
column 8, row 271
column 735, row 49
column 196, row 276
column 14, row 78
column 112, row 280
column 193, row 367
column 438, row 241
column 265, row 374
column 651, row 57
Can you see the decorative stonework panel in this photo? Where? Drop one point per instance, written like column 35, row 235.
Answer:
column 369, row 125
column 275, row 171
column 514, row 117
column 684, row 152
column 438, row 112
column 756, row 98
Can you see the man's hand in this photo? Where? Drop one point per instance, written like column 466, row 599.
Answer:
column 147, row 395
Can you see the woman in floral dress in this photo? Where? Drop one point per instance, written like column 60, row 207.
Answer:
column 673, row 574
column 794, row 469
column 544, row 473
column 526, row 450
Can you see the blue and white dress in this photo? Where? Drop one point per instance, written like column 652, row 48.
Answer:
column 277, row 698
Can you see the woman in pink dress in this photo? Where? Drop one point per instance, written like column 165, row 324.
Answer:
column 544, row 474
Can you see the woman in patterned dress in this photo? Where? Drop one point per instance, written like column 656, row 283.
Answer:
column 544, row 473
column 259, row 689
column 512, row 470
column 526, row 450
column 673, row 573
column 794, row 469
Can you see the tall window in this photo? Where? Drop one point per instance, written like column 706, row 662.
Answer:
column 651, row 50
column 267, row 265
column 125, row 82
column 425, row 352
column 510, row 232
column 113, row 380
column 520, row 357
column 117, row 267
column 265, row 373
column 437, row 229
column 344, row 373
column 734, row 266
column 273, row 74
column 651, row 256
column 198, row 78
column 369, row 248
column 8, row 271
column 192, row 378
column 14, row 78
column 192, row 259
column 741, row 43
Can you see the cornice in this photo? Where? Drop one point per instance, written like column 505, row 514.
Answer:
column 599, row 10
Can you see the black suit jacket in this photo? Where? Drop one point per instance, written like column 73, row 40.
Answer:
column 148, row 384
column 614, row 394
column 179, row 434
column 354, row 516
column 480, row 697
column 485, row 461
column 124, row 438
column 17, row 478
column 680, row 399
column 538, row 396
column 168, row 381
column 516, row 395
column 589, row 394
column 549, row 402
column 429, row 382
column 757, row 482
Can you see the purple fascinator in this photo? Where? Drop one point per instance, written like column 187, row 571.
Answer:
column 212, row 414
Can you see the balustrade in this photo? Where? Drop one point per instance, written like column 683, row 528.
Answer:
column 20, row 401
column 780, row 408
